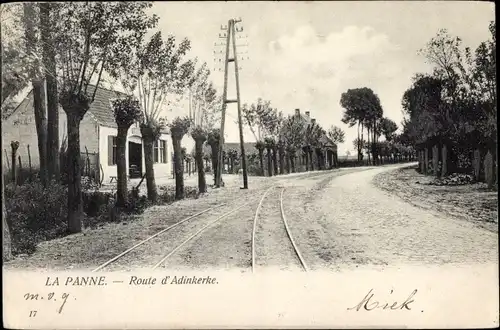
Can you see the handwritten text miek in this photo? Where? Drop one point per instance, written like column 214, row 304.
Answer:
column 370, row 302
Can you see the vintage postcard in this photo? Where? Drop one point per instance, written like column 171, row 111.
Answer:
column 249, row 165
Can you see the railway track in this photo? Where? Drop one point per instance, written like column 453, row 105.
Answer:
column 217, row 219
column 285, row 227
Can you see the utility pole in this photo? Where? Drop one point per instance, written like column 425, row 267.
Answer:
column 231, row 31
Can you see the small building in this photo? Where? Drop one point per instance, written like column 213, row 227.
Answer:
column 98, row 131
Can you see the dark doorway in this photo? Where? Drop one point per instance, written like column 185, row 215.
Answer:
column 135, row 159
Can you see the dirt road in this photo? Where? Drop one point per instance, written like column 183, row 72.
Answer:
column 337, row 219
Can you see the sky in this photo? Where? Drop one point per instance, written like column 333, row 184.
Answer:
column 306, row 54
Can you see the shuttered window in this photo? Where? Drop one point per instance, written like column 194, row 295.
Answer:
column 111, row 150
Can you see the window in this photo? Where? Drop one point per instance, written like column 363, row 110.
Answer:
column 163, row 151
column 155, row 152
column 160, row 151
column 112, row 150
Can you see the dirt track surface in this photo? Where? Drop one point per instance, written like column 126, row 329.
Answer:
column 339, row 219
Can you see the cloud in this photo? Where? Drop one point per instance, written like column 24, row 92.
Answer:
column 307, row 70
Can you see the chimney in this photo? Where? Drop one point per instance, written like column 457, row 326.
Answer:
column 313, row 121
column 308, row 113
column 297, row 112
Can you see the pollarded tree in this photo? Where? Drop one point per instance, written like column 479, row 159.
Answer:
column 127, row 111
column 91, row 38
column 199, row 136
column 260, row 146
column 203, row 100
column 270, row 145
column 233, row 156
column 213, row 139
column 178, row 128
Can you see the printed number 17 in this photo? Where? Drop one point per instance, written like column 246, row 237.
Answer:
column 32, row 313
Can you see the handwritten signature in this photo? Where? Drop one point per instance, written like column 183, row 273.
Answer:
column 49, row 297
column 370, row 303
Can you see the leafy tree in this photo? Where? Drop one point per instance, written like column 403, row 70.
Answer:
column 92, row 37
column 178, row 128
column 259, row 116
column 336, row 134
column 127, row 111
column 388, row 128
column 362, row 107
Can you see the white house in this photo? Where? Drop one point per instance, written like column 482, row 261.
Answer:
column 98, row 132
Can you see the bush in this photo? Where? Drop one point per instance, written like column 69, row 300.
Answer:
column 167, row 194
column 35, row 213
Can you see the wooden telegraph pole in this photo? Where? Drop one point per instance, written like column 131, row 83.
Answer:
column 231, row 32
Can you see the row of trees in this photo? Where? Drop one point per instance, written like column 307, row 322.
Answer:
column 283, row 137
column 451, row 114
column 362, row 108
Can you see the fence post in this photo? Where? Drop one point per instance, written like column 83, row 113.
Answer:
column 488, row 169
column 29, row 160
column 7, row 159
column 14, row 146
column 476, row 163
column 435, row 160
column 426, row 160
column 444, row 163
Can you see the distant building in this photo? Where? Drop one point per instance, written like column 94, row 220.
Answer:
column 329, row 145
column 98, row 132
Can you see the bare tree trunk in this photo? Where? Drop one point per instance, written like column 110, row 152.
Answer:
column 215, row 159
column 121, row 167
column 149, row 160
column 261, row 161
column 281, row 155
column 292, row 163
column 53, row 166
column 75, row 202
column 38, row 90
column 275, row 161
column 426, row 160
column 179, row 168
column 435, row 160
column 269, row 162
column 311, row 162
column 202, row 185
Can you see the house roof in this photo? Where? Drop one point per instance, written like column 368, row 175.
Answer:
column 100, row 110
